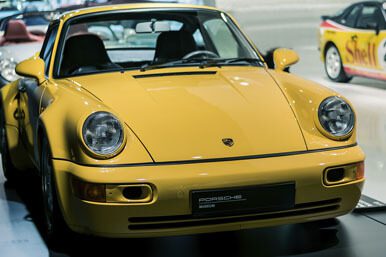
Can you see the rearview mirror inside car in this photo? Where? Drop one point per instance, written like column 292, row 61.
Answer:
column 284, row 58
column 152, row 27
column 33, row 68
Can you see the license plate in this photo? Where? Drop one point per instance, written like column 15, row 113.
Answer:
column 251, row 199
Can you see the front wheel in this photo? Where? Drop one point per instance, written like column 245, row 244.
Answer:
column 55, row 226
column 333, row 65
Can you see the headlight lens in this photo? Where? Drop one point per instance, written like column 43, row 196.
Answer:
column 336, row 116
column 102, row 133
column 7, row 68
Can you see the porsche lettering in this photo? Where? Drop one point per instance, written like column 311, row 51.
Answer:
column 222, row 198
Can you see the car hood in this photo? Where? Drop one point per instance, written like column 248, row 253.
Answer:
column 187, row 116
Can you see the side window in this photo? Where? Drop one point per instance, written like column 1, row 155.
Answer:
column 350, row 19
column 367, row 16
column 223, row 39
column 382, row 16
column 48, row 45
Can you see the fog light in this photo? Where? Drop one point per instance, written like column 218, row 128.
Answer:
column 136, row 192
column 335, row 175
column 89, row 191
column 131, row 193
column 343, row 174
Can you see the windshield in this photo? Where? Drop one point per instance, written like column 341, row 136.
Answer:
column 134, row 40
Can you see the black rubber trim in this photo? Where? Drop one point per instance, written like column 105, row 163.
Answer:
column 182, row 224
column 181, row 218
column 239, row 158
column 168, row 74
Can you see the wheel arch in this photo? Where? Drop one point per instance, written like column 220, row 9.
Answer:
column 327, row 46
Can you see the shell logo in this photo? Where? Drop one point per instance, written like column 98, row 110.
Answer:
column 361, row 55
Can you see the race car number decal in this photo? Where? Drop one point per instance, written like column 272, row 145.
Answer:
column 382, row 54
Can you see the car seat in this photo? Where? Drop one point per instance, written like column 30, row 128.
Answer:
column 85, row 53
column 173, row 45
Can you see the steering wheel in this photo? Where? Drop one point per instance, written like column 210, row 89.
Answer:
column 200, row 52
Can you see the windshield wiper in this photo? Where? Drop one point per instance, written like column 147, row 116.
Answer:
column 202, row 63
column 147, row 66
column 245, row 60
column 206, row 63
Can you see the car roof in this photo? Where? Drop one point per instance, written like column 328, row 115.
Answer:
column 123, row 7
column 370, row 2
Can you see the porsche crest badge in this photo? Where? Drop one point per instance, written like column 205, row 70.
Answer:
column 228, row 142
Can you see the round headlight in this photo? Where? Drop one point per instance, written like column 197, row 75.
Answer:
column 7, row 69
column 102, row 133
column 336, row 116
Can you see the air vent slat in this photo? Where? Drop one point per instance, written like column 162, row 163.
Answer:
column 168, row 74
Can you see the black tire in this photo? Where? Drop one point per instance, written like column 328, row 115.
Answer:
column 9, row 170
column 333, row 65
column 55, row 228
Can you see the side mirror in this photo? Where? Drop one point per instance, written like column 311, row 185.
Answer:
column 283, row 58
column 374, row 26
column 33, row 68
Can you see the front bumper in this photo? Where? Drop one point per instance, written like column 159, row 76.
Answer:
column 169, row 213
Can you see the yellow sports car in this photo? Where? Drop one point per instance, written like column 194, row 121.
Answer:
column 173, row 124
column 353, row 42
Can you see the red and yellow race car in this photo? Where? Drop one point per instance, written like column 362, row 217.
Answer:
column 353, row 42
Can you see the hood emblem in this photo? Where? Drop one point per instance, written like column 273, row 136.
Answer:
column 228, row 142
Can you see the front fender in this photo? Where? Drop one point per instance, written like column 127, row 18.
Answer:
column 68, row 106
column 304, row 97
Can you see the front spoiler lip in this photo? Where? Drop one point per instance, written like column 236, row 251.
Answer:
column 237, row 158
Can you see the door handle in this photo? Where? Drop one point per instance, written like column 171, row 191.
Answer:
column 354, row 37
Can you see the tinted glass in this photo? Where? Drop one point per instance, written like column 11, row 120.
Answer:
column 48, row 45
column 350, row 19
column 108, row 42
column 367, row 16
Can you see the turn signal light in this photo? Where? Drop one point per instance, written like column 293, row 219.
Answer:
column 360, row 174
column 89, row 191
column 112, row 193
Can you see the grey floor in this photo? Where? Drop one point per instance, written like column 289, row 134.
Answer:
column 270, row 23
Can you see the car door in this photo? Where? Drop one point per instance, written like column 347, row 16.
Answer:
column 368, row 38
column 30, row 95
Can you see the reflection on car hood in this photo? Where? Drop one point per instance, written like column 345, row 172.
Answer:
column 187, row 116
column 20, row 52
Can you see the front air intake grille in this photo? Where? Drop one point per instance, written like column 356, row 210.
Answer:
column 167, row 222
column 169, row 74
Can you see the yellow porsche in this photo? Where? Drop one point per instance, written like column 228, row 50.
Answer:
column 353, row 42
column 160, row 119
